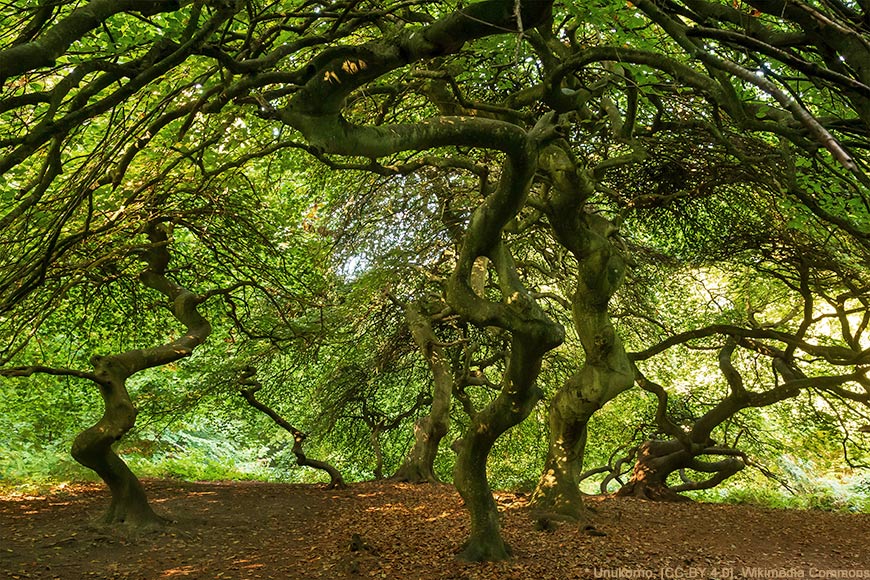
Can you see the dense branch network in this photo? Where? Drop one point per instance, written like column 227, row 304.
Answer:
column 715, row 123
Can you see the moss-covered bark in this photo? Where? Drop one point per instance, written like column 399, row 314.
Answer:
column 93, row 446
column 418, row 466
column 516, row 400
column 657, row 460
column 533, row 334
column 606, row 371
column 55, row 41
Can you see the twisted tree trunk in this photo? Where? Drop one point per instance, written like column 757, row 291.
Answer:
column 605, row 373
column 657, row 460
column 607, row 370
column 516, row 400
column 249, row 394
column 93, row 447
column 533, row 334
column 419, row 465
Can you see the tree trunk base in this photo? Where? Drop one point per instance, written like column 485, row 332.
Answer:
column 410, row 473
column 130, row 507
column 651, row 492
column 557, row 497
column 558, row 508
column 491, row 549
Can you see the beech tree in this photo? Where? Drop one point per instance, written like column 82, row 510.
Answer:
column 93, row 447
column 806, row 337
column 419, row 464
column 585, row 121
column 249, row 388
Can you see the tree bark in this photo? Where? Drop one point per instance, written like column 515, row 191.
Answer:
column 605, row 374
column 249, row 394
column 607, row 371
column 93, row 446
column 516, row 400
column 558, row 493
column 656, row 461
column 532, row 336
column 419, row 465
column 93, row 449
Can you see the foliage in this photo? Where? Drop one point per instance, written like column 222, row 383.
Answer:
column 317, row 166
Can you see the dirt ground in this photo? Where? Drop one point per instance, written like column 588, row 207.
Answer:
column 263, row 530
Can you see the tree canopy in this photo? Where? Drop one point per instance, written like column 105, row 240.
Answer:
column 445, row 213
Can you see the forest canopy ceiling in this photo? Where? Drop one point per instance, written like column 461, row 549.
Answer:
column 545, row 149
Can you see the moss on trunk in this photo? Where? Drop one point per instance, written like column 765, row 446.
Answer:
column 418, row 466
column 606, row 371
column 93, row 446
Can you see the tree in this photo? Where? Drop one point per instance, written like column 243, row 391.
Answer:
column 797, row 339
column 419, row 465
column 606, row 370
column 93, row 447
column 618, row 113
column 249, row 388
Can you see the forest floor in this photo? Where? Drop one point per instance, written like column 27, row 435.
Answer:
column 251, row 530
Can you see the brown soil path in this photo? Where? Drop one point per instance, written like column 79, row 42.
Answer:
column 262, row 530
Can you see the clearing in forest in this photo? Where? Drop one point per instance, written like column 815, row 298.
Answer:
column 249, row 530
